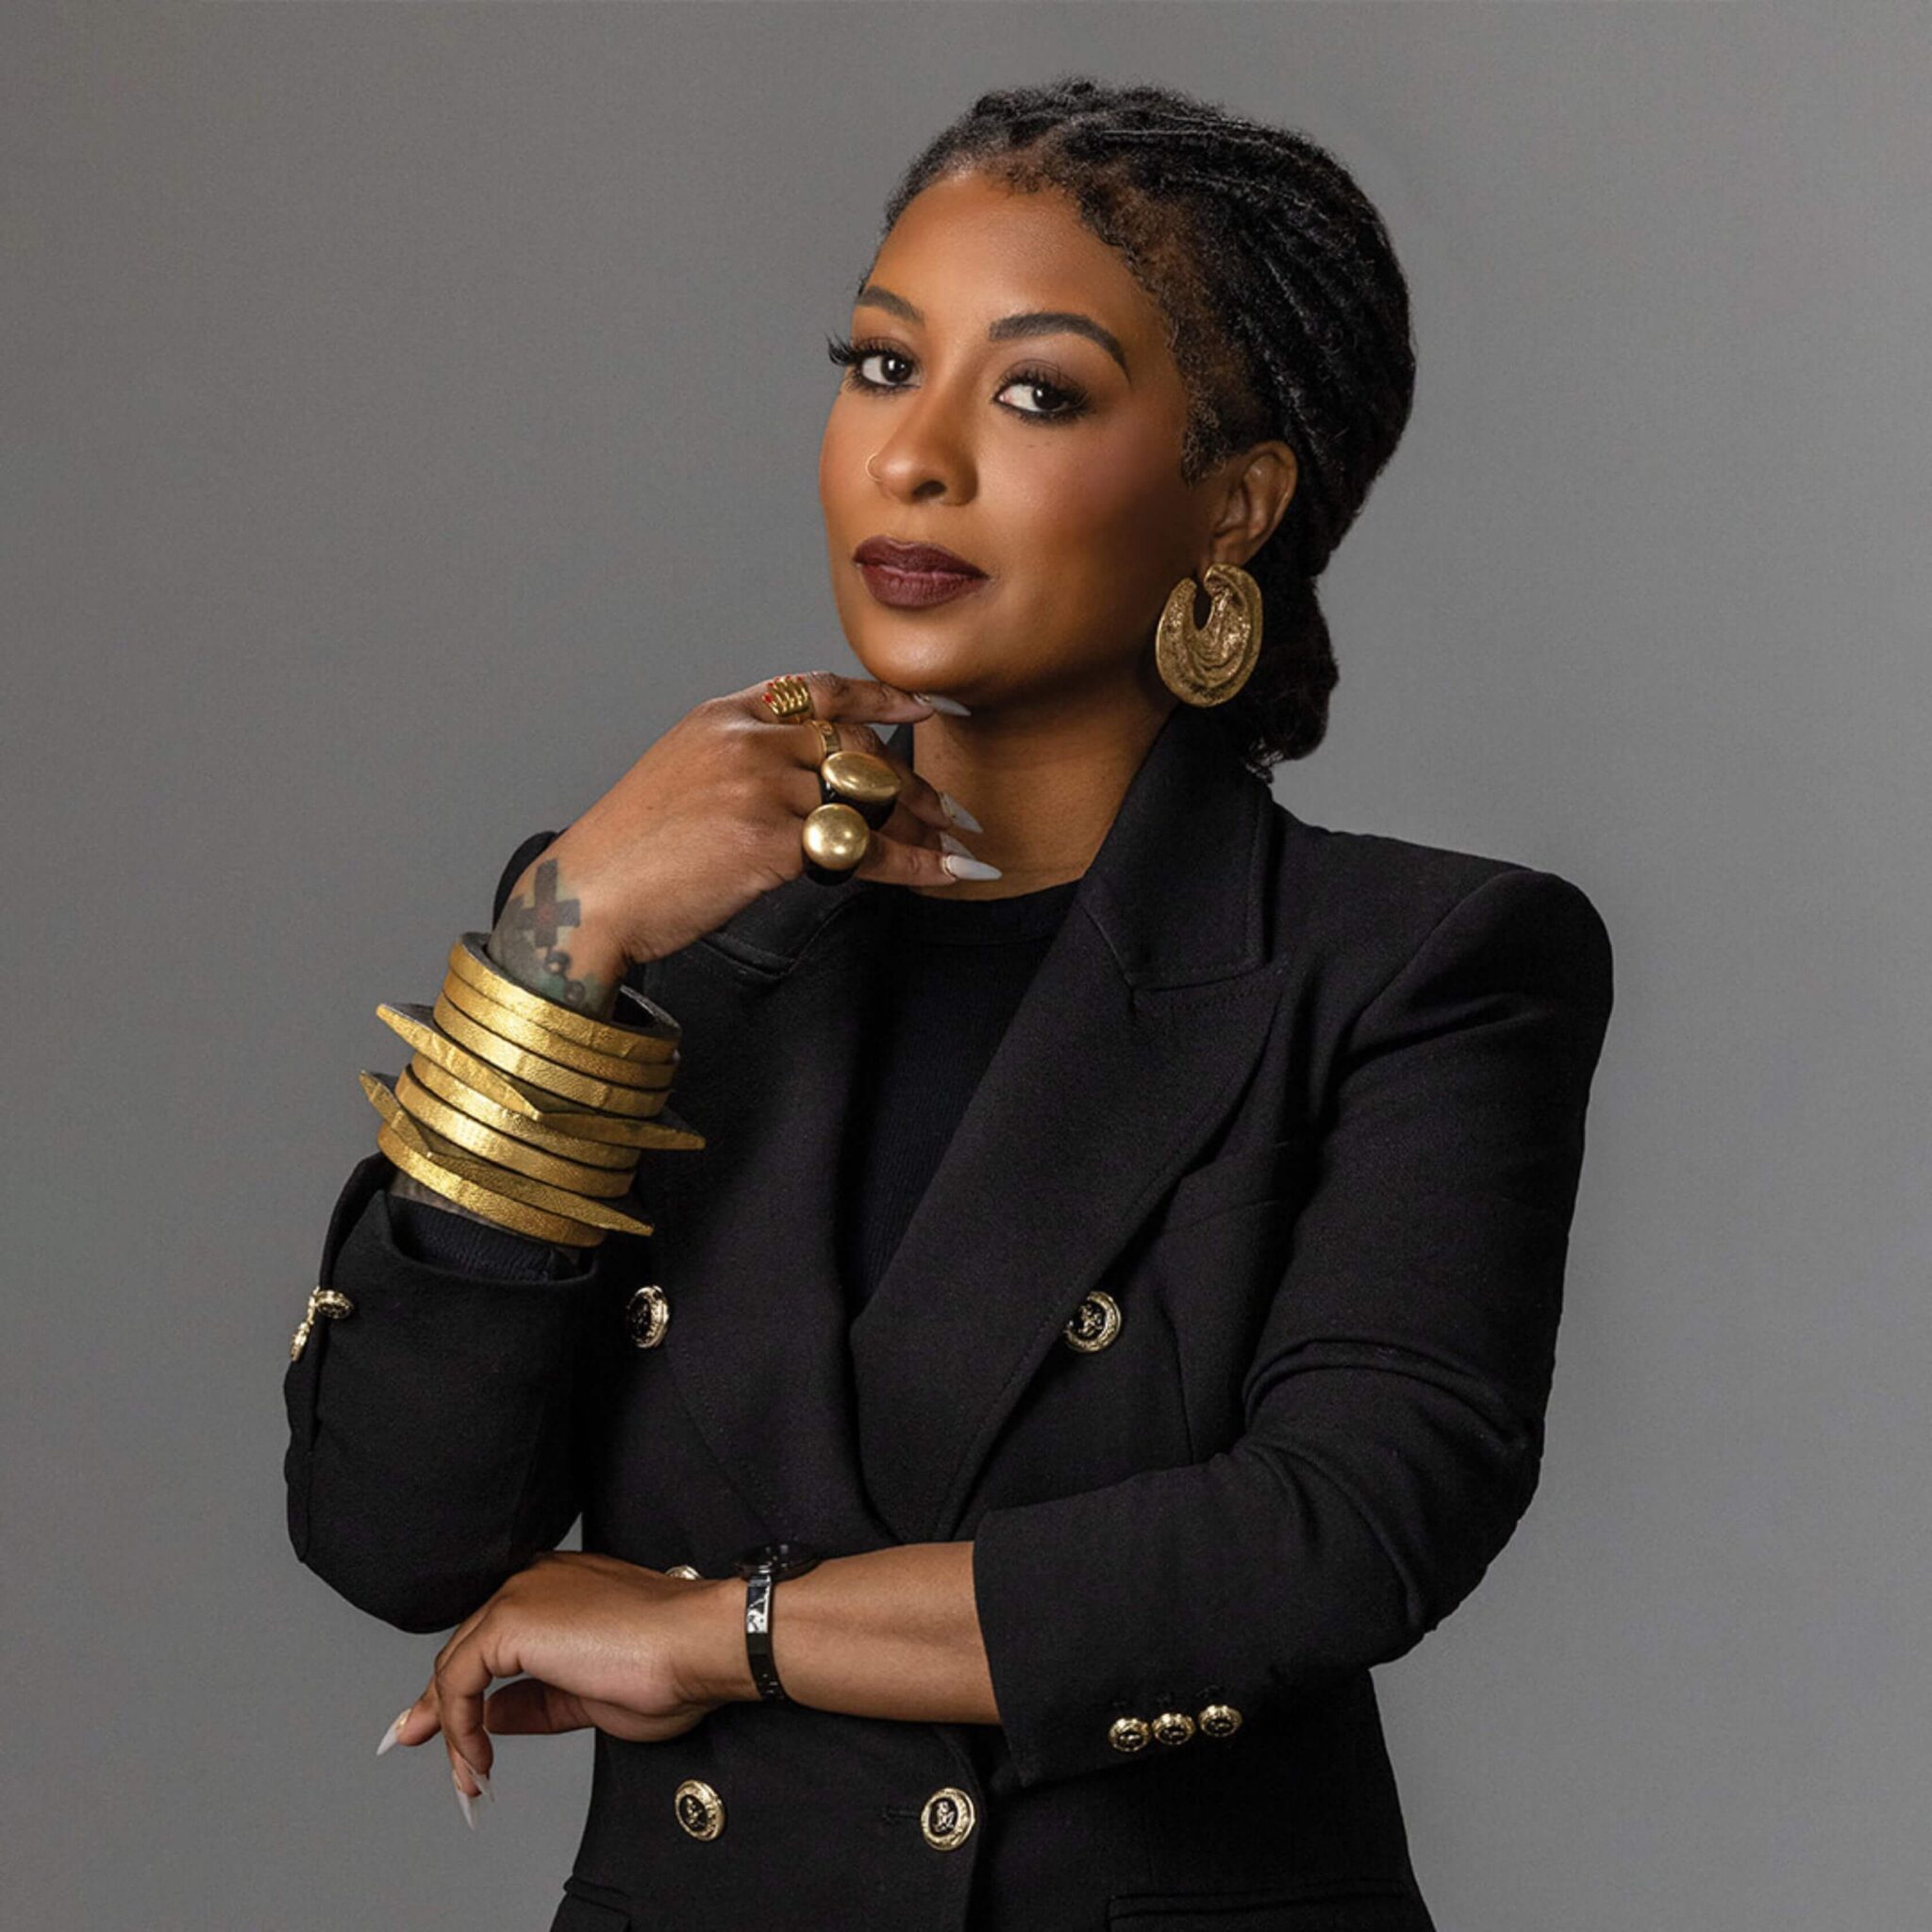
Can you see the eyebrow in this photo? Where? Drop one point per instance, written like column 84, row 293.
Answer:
column 1033, row 322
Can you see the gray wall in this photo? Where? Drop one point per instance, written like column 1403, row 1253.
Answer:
column 387, row 390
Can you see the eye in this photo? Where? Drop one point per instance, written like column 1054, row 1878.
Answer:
column 1057, row 401
column 854, row 356
column 1065, row 401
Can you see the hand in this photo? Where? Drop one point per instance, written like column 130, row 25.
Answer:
column 703, row 823
column 591, row 1641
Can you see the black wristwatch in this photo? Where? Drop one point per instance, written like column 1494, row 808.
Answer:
column 764, row 1566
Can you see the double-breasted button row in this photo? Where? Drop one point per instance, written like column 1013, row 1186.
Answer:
column 1094, row 1324
column 699, row 1808
column 1173, row 1727
column 947, row 1818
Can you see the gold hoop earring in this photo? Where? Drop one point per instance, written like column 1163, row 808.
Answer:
column 1207, row 665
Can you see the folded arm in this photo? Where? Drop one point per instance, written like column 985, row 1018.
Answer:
column 1393, row 1411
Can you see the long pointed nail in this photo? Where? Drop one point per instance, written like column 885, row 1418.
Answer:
column 951, row 705
column 482, row 1782
column 949, row 843
column 465, row 1803
column 963, row 868
column 957, row 812
column 388, row 1736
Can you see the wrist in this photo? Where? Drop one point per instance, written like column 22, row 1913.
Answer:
column 718, row 1666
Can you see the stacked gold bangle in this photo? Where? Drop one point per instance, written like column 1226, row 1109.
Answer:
column 525, row 1111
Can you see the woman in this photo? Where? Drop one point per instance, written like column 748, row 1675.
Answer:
column 1122, row 1264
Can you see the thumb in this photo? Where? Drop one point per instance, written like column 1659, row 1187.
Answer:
column 528, row 1705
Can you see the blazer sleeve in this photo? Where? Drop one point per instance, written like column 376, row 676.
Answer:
column 1394, row 1410
column 433, row 1433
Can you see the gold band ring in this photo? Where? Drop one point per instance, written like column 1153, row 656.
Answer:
column 787, row 697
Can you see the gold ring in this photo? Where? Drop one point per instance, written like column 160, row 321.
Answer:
column 787, row 697
column 864, row 781
column 836, row 839
column 828, row 736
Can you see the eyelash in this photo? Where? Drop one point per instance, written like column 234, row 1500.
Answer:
column 849, row 355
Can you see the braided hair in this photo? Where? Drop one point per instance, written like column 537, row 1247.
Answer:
column 1286, row 312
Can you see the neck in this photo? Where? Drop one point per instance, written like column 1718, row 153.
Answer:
column 1046, row 788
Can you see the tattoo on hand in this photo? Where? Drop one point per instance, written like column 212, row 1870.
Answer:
column 526, row 945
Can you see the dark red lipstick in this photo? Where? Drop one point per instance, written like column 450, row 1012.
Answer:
column 913, row 576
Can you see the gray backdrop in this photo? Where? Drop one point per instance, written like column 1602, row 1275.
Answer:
column 411, row 410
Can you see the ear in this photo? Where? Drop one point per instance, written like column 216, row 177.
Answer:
column 1260, row 484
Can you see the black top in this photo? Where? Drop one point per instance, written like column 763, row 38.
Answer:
column 959, row 967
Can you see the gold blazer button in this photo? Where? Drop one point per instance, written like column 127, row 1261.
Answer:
column 1220, row 1720
column 700, row 1810
column 947, row 1818
column 647, row 1315
column 1128, row 1734
column 1173, row 1727
column 680, row 1570
column 1094, row 1325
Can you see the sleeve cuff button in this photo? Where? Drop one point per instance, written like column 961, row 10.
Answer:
column 1220, row 1720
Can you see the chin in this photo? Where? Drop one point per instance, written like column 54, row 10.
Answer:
column 894, row 662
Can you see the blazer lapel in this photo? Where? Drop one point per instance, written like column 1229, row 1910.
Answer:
column 1130, row 1045
column 744, row 1234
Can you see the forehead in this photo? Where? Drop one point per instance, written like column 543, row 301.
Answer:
column 966, row 249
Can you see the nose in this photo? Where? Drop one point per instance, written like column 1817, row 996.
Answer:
column 927, row 455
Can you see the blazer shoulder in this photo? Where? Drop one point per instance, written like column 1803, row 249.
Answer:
column 1382, row 899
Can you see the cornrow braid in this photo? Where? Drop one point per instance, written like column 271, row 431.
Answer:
column 1287, row 317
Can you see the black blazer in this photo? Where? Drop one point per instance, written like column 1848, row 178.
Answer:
column 1306, row 1107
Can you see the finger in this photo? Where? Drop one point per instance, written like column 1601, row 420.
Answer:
column 528, row 1707
column 836, row 695
column 918, row 798
column 894, row 861
column 462, row 1677
column 416, row 1724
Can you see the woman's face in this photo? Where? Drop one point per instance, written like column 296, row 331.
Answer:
column 1015, row 402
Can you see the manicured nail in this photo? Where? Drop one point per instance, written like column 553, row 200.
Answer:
column 949, row 843
column 962, row 868
column 482, row 1782
column 465, row 1803
column 957, row 812
column 952, row 706
column 388, row 1736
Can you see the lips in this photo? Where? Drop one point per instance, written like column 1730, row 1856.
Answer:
column 915, row 576
column 917, row 560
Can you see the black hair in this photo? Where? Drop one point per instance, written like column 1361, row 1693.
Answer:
column 1287, row 317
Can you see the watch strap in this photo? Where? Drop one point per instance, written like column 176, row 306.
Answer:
column 759, row 1589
